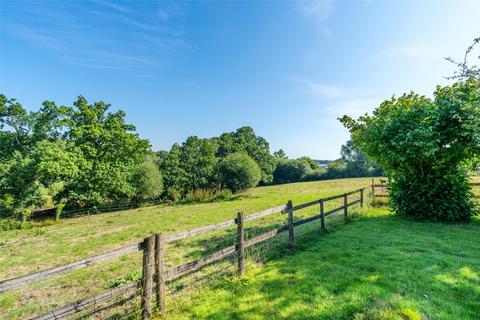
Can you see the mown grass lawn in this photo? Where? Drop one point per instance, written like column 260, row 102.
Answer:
column 380, row 266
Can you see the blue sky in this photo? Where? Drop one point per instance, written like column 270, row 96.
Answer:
column 288, row 69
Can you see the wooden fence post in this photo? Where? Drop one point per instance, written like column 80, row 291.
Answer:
column 159, row 275
column 361, row 198
column 147, row 276
column 373, row 190
column 240, row 243
column 345, row 206
column 291, row 236
column 322, row 215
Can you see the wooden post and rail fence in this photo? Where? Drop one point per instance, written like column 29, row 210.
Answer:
column 154, row 274
column 383, row 187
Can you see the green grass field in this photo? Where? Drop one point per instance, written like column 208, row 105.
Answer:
column 26, row 251
column 377, row 266
column 380, row 266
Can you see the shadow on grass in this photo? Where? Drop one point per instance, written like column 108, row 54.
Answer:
column 379, row 267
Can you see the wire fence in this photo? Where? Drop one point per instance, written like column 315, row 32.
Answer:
column 169, row 265
column 192, row 261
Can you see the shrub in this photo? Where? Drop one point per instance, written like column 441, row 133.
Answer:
column 7, row 205
column 425, row 147
column 208, row 195
column 147, row 181
column 237, row 171
column 291, row 171
column 438, row 196
column 12, row 224
column 24, row 214
column 315, row 175
column 58, row 211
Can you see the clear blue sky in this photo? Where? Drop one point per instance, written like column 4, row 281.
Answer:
column 288, row 69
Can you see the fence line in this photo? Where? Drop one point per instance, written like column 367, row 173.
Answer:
column 383, row 186
column 21, row 281
column 154, row 274
column 81, row 305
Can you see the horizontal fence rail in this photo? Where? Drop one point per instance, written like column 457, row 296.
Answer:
column 62, row 313
column 9, row 284
column 154, row 273
column 384, row 189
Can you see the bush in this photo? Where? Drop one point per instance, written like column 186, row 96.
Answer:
column 439, row 196
column 12, row 224
column 208, row 195
column 147, row 181
column 315, row 175
column 291, row 171
column 238, row 172
column 7, row 207
column 425, row 147
column 23, row 214
column 58, row 211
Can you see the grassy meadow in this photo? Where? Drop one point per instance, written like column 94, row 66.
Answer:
column 378, row 267
column 26, row 251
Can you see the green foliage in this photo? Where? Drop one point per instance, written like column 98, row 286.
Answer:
column 280, row 154
column 379, row 267
column 90, row 153
column 246, row 141
column 191, row 166
column 110, row 151
column 23, row 214
column 7, row 204
column 238, row 172
column 314, row 175
column 147, row 181
column 198, row 161
column 357, row 164
column 174, row 176
column 301, row 169
column 13, row 224
column 188, row 167
column 208, row 195
column 134, row 276
column 440, row 195
column 32, row 155
column 58, row 211
column 291, row 171
column 424, row 145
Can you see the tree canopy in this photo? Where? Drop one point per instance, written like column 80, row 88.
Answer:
column 424, row 145
column 238, row 172
column 91, row 152
column 85, row 155
column 245, row 140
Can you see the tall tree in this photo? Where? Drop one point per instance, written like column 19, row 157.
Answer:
column 111, row 151
column 175, row 178
column 357, row 164
column 198, row 160
column 280, row 154
column 32, row 154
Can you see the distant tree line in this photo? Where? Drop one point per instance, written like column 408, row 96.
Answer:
column 87, row 156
